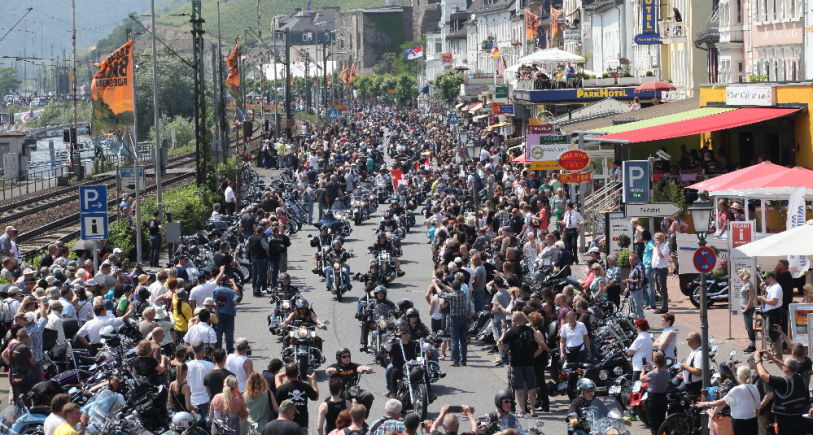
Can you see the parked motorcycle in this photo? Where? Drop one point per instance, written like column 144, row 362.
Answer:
column 716, row 290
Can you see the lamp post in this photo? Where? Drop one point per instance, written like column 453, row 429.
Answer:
column 701, row 211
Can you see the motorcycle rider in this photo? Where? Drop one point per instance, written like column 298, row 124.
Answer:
column 362, row 312
column 349, row 372
column 576, row 415
column 388, row 222
column 370, row 279
column 401, row 349
column 383, row 243
column 323, row 239
column 503, row 416
column 412, row 320
column 305, row 314
column 337, row 255
column 285, row 290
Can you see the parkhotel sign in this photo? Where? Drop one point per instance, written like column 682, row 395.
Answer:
column 750, row 96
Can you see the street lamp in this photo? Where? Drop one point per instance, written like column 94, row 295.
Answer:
column 701, row 212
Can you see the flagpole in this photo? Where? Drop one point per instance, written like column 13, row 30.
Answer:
column 159, row 194
column 134, row 140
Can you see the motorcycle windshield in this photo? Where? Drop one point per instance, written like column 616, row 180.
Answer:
column 382, row 311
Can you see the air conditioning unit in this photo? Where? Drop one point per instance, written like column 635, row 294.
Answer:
column 307, row 36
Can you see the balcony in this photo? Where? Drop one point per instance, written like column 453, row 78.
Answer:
column 672, row 32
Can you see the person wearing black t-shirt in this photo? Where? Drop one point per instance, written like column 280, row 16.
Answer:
column 349, row 372
column 286, row 423
column 154, row 227
column 524, row 344
column 214, row 379
column 296, row 391
column 147, row 366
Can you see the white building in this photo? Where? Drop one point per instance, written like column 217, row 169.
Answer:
column 730, row 60
column 611, row 34
column 494, row 23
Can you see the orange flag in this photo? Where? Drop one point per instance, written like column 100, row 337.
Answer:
column 554, row 24
column 531, row 24
column 351, row 76
column 112, row 92
column 233, row 77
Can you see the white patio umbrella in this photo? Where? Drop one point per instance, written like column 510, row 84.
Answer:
column 551, row 55
column 796, row 241
column 510, row 74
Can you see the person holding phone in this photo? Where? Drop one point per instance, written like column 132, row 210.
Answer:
column 791, row 397
column 450, row 423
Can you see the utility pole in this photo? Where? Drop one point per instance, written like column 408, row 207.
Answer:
column 159, row 195
column 289, row 116
column 223, row 128
column 262, row 73
column 216, row 95
column 307, row 83
column 201, row 146
column 276, row 86
column 76, row 162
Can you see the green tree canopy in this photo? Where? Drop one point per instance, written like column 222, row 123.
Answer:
column 8, row 80
column 175, row 91
column 449, row 84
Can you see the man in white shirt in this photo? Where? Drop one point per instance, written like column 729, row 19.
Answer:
column 230, row 199
column 660, row 268
column 572, row 222
column 55, row 418
column 204, row 289
column 157, row 288
column 693, row 366
column 55, row 320
column 201, row 331
column 198, row 369
column 771, row 301
column 90, row 333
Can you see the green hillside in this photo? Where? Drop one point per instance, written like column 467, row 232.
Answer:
column 238, row 15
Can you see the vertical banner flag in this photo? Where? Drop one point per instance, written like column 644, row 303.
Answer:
column 554, row 23
column 649, row 11
column 740, row 233
column 112, row 92
column 796, row 218
column 531, row 25
column 233, row 77
column 414, row 52
column 351, row 76
column 397, row 178
column 501, row 67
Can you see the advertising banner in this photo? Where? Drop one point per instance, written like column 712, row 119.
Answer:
column 112, row 93
column 740, row 233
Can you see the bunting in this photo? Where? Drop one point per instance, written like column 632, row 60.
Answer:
column 554, row 22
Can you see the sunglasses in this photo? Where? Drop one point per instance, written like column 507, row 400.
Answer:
column 345, row 356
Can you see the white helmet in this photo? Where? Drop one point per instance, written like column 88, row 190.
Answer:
column 182, row 421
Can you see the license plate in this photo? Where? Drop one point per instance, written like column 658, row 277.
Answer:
column 562, row 386
column 615, row 389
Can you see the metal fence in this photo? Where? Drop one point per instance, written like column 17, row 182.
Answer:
column 31, row 182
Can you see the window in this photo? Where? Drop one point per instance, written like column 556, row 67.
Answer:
column 438, row 47
column 739, row 11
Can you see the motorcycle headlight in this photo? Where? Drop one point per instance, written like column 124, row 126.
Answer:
column 286, row 304
column 313, row 334
column 618, row 371
column 382, row 324
column 335, row 265
column 603, row 375
column 303, row 332
column 385, row 256
column 291, row 334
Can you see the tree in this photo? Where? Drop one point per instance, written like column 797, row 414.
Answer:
column 449, row 83
column 175, row 92
column 407, row 88
column 8, row 80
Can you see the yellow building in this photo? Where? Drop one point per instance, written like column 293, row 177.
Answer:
column 681, row 61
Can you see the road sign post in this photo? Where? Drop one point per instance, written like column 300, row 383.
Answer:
column 93, row 212
column 636, row 182
column 704, row 259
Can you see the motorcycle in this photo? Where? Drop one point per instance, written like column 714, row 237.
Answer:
column 339, row 285
column 412, row 389
column 716, row 290
column 381, row 329
column 301, row 347
column 386, row 268
column 283, row 308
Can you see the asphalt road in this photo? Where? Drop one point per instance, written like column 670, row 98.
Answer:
column 473, row 385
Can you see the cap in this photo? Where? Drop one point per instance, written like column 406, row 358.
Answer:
column 28, row 271
column 287, row 405
column 91, row 282
column 11, row 228
column 117, row 251
column 13, row 290
column 50, row 279
column 594, row 250
column 208, row 302
column 160, row 313
column 769, row 274
column 30, row 317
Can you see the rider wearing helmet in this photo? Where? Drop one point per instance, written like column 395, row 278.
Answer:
column 346, row 369
column 579, row 406
column 363, row 312
column 404, row 305
column 412, row 320
column 303, row 313
column 337, row 255
column 401, row 349
column 285, row 290
column 503, row 415
column 385, row 243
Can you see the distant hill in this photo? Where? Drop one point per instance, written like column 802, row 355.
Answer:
column 238, row 15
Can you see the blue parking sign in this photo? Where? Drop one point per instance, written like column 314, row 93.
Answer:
column 636, row 181
column 92, row 199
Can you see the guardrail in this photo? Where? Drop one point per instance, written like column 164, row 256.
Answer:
column 31, row 182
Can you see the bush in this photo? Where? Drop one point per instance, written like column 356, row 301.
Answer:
column 121, row 237
column 624, row 258
column 624, row 241
column 626, row 74
column 650, row 74
column 605, row 76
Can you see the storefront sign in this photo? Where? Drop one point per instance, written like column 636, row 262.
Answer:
column 547, row 154
column 501, row 92
column 502, row 109
column 588, row 94
column 750, row 96
column 552, row 139
column 647, row 39
column 574, row 34
column 649, row 16
column 617, row 225
column 541, row 129
column 740, row 233
column 576, row 178
column 574, row 160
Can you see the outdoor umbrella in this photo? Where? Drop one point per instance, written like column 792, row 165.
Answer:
column 520, row 159
column 654, row 87
column 795, row 241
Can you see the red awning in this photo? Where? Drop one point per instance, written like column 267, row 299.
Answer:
column 520, row 159
column 733, row 179
column 720, row 121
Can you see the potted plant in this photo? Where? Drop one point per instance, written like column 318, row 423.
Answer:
column 627, row 79
column 623, row 261
column 605, row 80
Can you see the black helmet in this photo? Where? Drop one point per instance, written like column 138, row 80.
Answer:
column 402, row 326
column 404, row 304
column 379, row 288
column 336, row 243
column 302, row 303
column 412, row 312
column 342, row 351
column 502, row 395
column 328, row 215
column 284, row 277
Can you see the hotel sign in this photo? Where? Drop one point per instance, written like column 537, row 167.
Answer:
column 649, row 16
column 587, row 94
column 750, row 96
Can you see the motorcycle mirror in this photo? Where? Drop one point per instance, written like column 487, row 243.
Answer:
column 714, row 349
column 732, row 353
column 712, row 340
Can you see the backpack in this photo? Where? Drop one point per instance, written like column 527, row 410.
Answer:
column 6, row 316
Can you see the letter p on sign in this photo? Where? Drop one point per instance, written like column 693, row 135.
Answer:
column 636, row 181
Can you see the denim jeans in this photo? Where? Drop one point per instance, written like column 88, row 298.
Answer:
column 225, row 326
column 309, row 210
column 637, row 297
column 273, row 269
column 259, row 271
column 459, row 329
column 390, row 379
column 649, row 288
column 748, row 319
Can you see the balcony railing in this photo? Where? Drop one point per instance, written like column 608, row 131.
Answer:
column 672, row 30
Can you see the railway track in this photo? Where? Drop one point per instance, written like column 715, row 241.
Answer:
column 65, row 228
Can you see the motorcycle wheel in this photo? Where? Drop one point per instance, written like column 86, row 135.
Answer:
column 32, row 429
column 678, row 424
column 695, row 299
column 421, row 401
column 623, row 398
